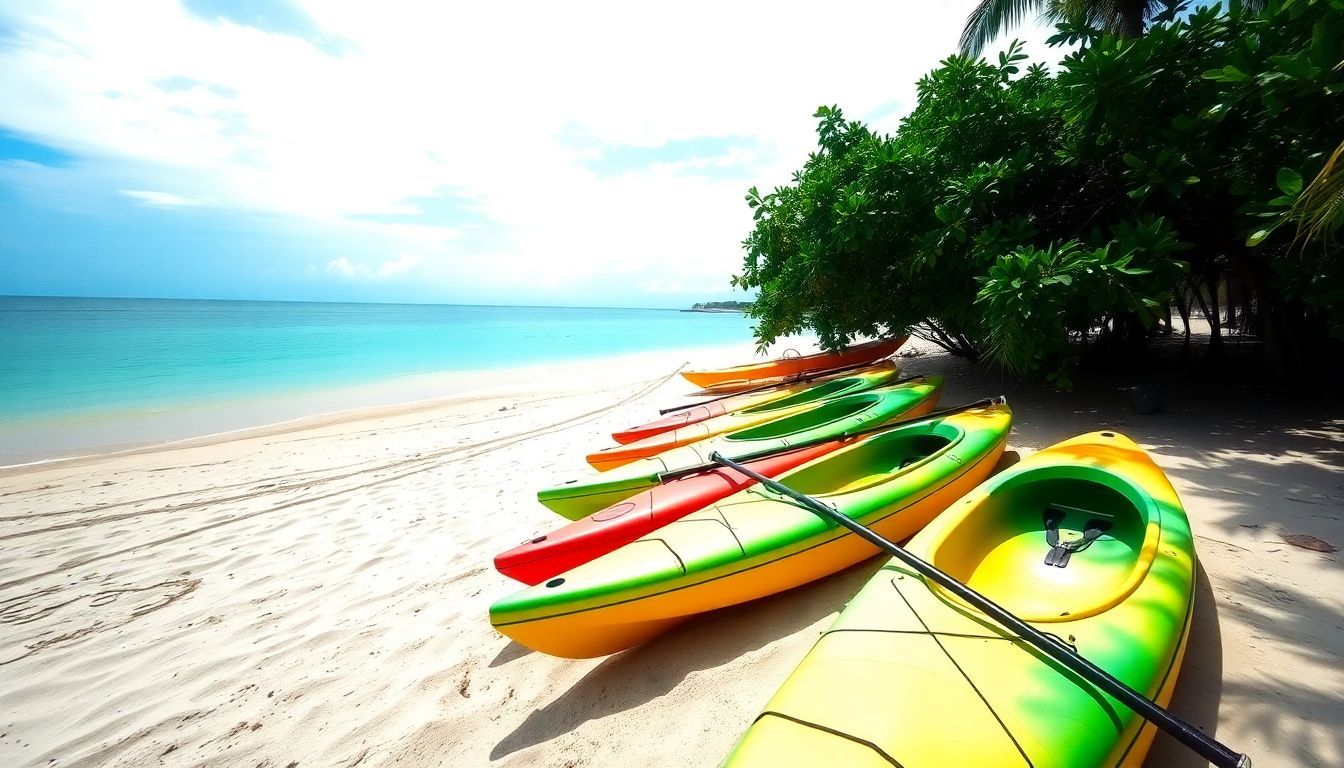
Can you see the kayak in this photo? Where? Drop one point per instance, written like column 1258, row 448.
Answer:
column 756, row 543
column 579, row 498
column 551, row 554
column 1085, row 540
column 734, row 403
column 620, row 455
column 793, row 366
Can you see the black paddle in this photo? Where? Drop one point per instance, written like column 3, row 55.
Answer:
column 765, row 387
column 1208, row 748
column 884, row 427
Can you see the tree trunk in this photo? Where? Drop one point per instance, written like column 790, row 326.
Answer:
column 1129, row 18
column 1216, row 349
column 1282, row 351
column 1182, row 303
column 1215, row 337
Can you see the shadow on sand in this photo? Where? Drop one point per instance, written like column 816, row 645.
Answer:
column 631, row 678
column 510, row 652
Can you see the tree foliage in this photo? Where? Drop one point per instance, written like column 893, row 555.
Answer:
column 1022, row 215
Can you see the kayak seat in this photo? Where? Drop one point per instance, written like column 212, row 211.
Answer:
column 997, row 551
column 1060, row 551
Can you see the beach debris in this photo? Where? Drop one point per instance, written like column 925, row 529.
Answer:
column 1304, row 541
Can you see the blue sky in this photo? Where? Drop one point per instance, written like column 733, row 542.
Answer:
column 581, row 154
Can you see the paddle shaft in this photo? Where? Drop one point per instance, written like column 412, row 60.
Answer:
column 1208, row 748
column 766, row 387
column 886, row 427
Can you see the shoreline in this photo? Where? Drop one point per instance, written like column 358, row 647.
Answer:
column 208, row 422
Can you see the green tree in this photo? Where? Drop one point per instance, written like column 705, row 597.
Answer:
column 1039, row 221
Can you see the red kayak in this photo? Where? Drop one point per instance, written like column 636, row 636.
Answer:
column 544, row 557
column 684, row 418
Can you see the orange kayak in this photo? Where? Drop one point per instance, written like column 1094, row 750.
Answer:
column 793, row 366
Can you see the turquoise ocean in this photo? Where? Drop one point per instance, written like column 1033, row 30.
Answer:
column 84, row 360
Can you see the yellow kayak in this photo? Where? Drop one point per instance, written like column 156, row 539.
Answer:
column 1085, row 540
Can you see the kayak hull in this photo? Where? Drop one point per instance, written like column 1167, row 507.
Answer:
column 577, row 499
column 755, row 544
column 910, row 675
column 794, row 366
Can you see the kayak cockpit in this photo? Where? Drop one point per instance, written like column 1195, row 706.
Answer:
column 876, row 460
column 825, row 414
column 1054, row 544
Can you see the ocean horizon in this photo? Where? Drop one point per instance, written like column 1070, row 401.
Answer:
column 78, row 362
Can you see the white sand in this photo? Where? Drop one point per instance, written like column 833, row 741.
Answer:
column 316, row 595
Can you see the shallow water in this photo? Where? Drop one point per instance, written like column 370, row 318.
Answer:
column 91, row 365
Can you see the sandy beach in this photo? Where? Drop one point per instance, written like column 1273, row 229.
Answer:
column 315, row 594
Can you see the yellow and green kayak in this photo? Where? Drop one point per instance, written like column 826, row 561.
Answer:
column 579, row 498
column 821, row 387
column 1085, row 540
column 756, row 543
column 799, row 402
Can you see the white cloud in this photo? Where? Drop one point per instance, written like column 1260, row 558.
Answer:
column 401, row 266
column 468, row 100
column 162, row 199
column 346, row 268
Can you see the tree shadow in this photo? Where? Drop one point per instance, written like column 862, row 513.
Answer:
column 1272, row 460
column 631, row 678
column 1291, row 704
column 1199, row 686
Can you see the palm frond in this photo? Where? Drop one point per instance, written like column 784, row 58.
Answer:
column 990, row 18
column 1319, row 210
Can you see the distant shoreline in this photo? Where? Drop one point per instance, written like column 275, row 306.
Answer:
column 716, row 311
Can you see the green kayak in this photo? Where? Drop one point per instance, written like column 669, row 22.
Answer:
column 579, row 498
